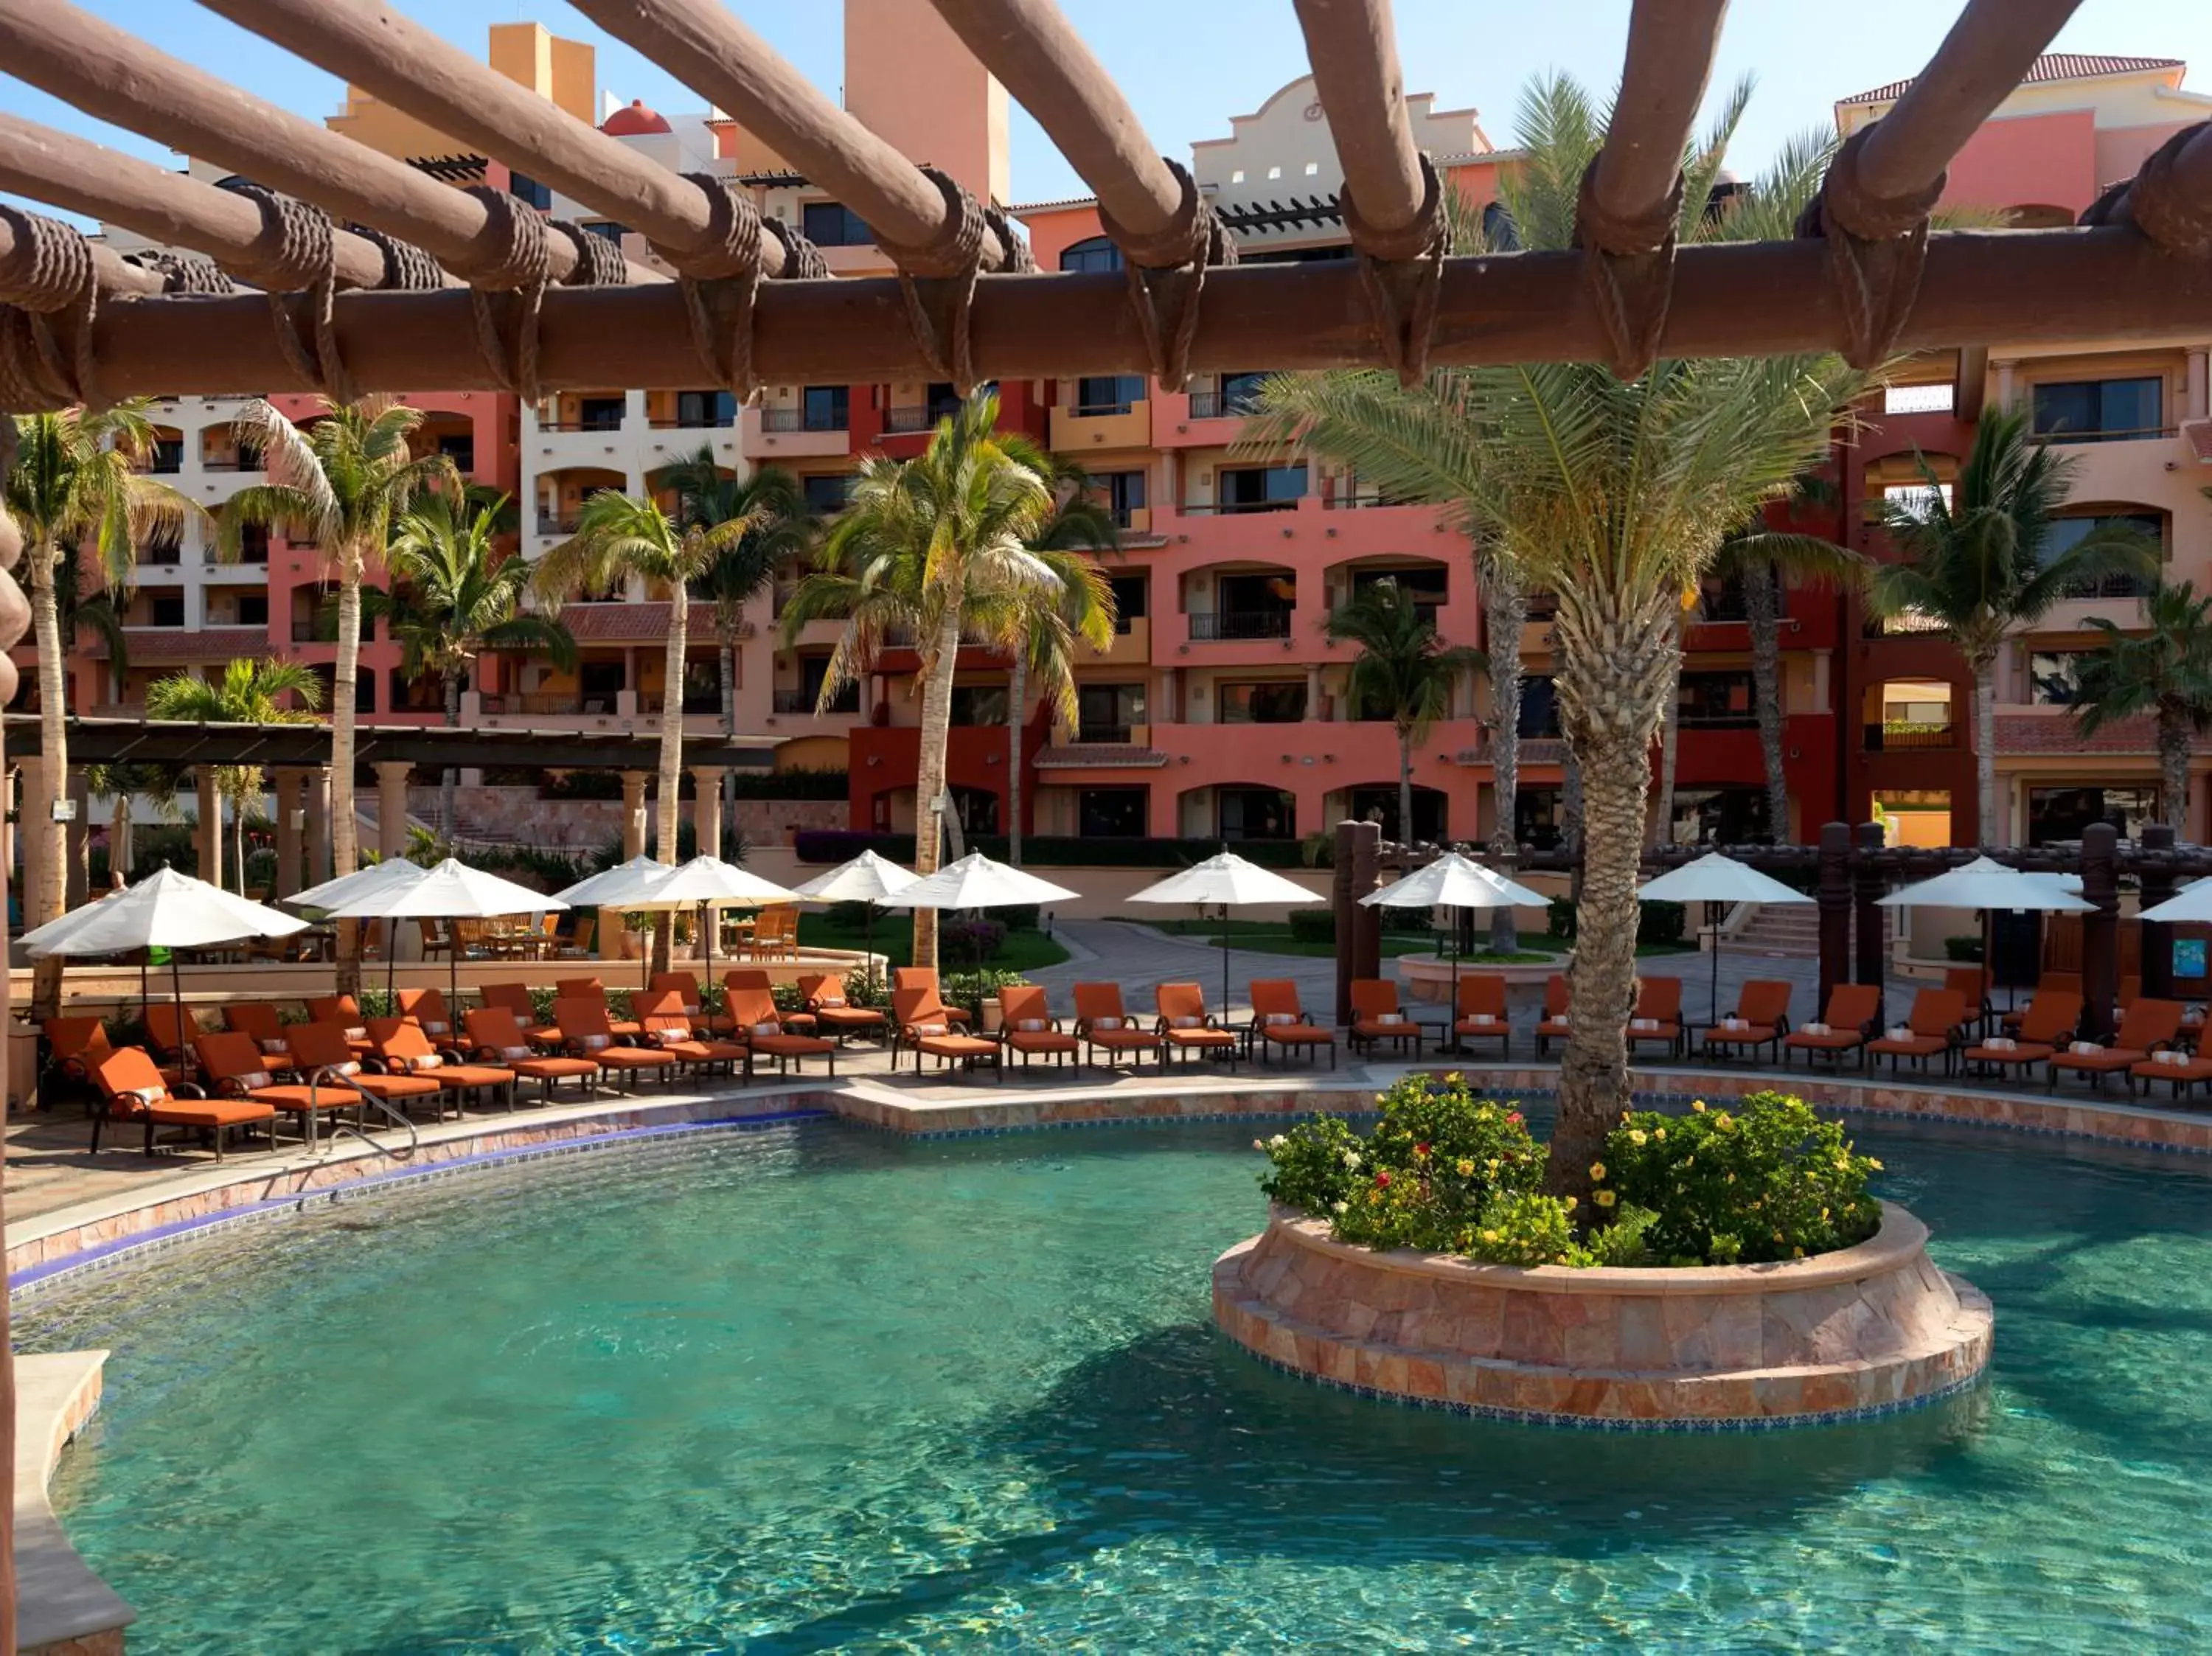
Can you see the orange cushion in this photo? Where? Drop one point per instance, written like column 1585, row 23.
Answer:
column 2028, row 1052
column 395, row 1086
column 1831, row 1041
column 1297, row 1034
column 1202, row 1037
column 953, row 1045
column 2108, row 1058
column 206, row 1112
column 1757, row 1035
column 1041, row 1041
column 632, row 1057
column 849, row 1015
column 790, row 1046
column 554, row 1069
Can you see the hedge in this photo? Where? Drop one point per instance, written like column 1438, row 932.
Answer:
column 1050, row 851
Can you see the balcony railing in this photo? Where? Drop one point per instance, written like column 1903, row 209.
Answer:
column 556, row 525
column 231, row 463
column 1691, row 720
column 1092, row 410
column 2144, row 434
column 1217, row 625
column 1903, row 626
column 847, row 701
column 2108, row 586
column 597, row 423
column 1107, row 735
column 1213, row 405
column 797, row 419
column 1912, row 736
column 548, row 701
column 304, row 632
column 919, row 419
column 1235, row 508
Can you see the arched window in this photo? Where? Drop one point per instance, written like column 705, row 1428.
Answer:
column 1096, row 254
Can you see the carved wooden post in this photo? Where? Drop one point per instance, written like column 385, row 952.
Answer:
column 1866, row 889
column 1343, row 904
column 1833, row 894
column 14, row 622
column 2100, row 954
column 2155, row 877
column 1366, row 921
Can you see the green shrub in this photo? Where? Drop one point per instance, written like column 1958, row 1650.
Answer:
column 1313, row 925
column 1767, row 1181
column 1525, row 1227
column 865, row 989
column 1560, row 917
column 1967, row 950
column 1314, row 1166
column 1021, row 917
column 378, row 1003
column 1660, row 922
column 972, row 989
column 1625, row 1241
column 1407, row 919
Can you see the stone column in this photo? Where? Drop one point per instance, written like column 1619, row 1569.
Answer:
column 392, row 807
column 2006, row 368
column 706, row 809
column 1341, row 898
column 611, row 931
column 211, row 829
column 291, row 791
column 2100, row 941
column 2196, row 387
column 318, row 826
column 1313, row 690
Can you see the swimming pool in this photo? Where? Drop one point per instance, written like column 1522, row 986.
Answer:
column 820, row 1388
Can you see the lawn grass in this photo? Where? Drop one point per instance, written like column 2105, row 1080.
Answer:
column 893, row 938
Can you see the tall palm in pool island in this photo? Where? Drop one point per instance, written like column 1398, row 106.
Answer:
column 1404, row 673
column 340, row 482
column 1614, row 496
column 2165, row 672
column 930, row 548
column 1984, row 557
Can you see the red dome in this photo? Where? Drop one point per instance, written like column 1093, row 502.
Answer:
column 628, row 123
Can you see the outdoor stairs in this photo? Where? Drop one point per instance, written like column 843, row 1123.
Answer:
column 1788, row 929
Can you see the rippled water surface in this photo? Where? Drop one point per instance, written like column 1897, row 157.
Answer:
column 821, row 1389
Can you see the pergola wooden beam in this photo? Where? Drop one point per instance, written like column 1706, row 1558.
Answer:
column 1353, row 50
column 114, row 274
column 1671, row 44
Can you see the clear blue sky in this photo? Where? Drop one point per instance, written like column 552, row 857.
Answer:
column 1189, row 64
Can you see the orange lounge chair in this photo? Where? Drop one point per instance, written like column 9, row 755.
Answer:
column 2181, row 1070
column 426, row 1009
column 1278, row 1019
column 1554, row 1025
column 670, row 1029
column 1478, row 1013
column 593, row 989
column 750, row 980
column 685, row 985
column 405, row 1048
column 235, row 1068
column 1101, row 1021
column 1761, row 1018
column 585, row 1033
column 1030, row 1028
column 1657, row 1017
column 2067, row 982
column 1186, row 1025
column 920, row 1021
column 132, row 1089
column 170, row 1033
column 1375, row 1016
column 516, row 1000
column 1972, row 984
column 492, row 1036
column 344, row 1011
column 1935, row 1027
column 2047, row 1024
column 259, row 1019
column 76, row 1046
column 1853, row 1009
column 824, row 995
column 767, row 1031
column 925, row 977
column 322, row 1054
column 2148, row 1026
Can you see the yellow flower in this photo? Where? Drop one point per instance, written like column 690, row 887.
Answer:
column 1824, row 1213
column 1489, row 1236
column 1876, row 1165
column 1796, row 1253
column 1724, row 1121
column 1466, row 1169
column 1603, row 1198
column 1597, row 1170
column 1638, row 1138
column 1660, row 1133
column 1451, row 1077
column 1729, row 1180
column 1699, row 1104
column 1573, row 1202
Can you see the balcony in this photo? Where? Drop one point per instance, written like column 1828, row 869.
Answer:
column 247, row 461
column 161, row 557
column 565, row 703
column 556, row 525
column 918, row 418
column 802, row 702
column 1217, row 626
column 597, row 423
column 795, row 418
column 1912, row 736
column 1215, row 405
column 2109, row 586
column 1236, row 508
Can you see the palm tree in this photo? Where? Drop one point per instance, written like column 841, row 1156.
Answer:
column 119, row 784
column 1979, row 560
column 75, row 480
column 456, row 596
column 1504, row 614
column 250, row 693
column 924, row 546
column 783, row 527
column 1049, row 621
column 1612, row 496
column 341, row 483
column 2167, row 673
column 1404, row 673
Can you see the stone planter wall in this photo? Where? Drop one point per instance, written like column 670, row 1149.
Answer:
column 1869, row 1330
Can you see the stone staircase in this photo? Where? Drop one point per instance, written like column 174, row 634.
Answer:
column 1788, row 929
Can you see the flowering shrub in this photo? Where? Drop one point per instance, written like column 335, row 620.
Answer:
column 1767, row 1180
column 1313, row 1166
column 1526, row 1228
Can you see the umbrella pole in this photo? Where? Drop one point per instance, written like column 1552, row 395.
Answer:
column 453, row 976
column 1224, row 960
column 707, row 937
column 1713, row 924
column 1451, row 1008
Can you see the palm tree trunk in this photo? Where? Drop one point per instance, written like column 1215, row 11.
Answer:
column 1570, row 818
column 45, row 903
column 2173, row 769
column 118, row 837
column 238, row 838
column 1661, row 825
column 672, row 756
column 929, row 772
column 1017, row 691
column 345, row 832
column 728, row 664
column 1505, row 611
column 1405, row 798
column 449, row 780
column 1985, row 745
column 1762, row 611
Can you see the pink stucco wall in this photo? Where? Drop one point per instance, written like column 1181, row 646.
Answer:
column 2028, row 159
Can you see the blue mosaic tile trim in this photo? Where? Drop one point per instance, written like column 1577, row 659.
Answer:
column 1584, row 1423
column 44, row 1276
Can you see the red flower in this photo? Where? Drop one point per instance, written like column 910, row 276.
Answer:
column 1420, row 1149
column 1382, row 1180
column 1514, row 1116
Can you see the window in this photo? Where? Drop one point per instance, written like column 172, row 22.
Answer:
column 944, row 402
column 522, row 187
column 702, row 687
column 1240, row 392
column 978, row 809
column 1131, row 595
column 599, row 682
column 2100, row 410
column 1368, row 803
column 833, row 224
column 364, row 693
column 1919, row 399
column 1717, row 700
column 979, row 704
column 2063, row 813
column 459, row 447
column 828, row 495
column 1500, row 232
column 1262, row 704
column 600, row 413
column 1540, row 708
column 1254, row 814
column 1719, row 816
column 253, row 609
column 1108, row 711
column 1110, row 393
column 706, row 408
column 1125, row 495
column 1098, row 254
column 824, row 408
column 1258, row 489
column 2051, row 678
column 168, row 455
column 1538, row 815
column 1428, row 586
column 166, row 609
column 253, row 543
column 812, row 669
column 609, row 229
column 1112, row 813
column 2066, row 532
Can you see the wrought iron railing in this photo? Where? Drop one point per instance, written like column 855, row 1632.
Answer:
column 1912, row 736
column 1217, row 625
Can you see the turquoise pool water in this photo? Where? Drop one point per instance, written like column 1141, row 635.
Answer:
column 821, row 1389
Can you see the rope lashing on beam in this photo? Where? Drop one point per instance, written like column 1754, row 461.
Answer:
column 1166, row 276
column 1877, row 247
column 407, row 268
column 184, row 273
column 506, row 291
column 304, row 260
column 52, row 273
column 1628, row 270
column 719, row 283
column 2154, row 201
column 1402, row 272
column 938, row 281
column 599, row 262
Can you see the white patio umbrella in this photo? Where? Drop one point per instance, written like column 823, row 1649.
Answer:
column 1453, row 881
column 347, row 887
column 166, row 910
column 449, row 890
column 977, row 882
column 708, row 881
column 626, row 886
column 866, row 879
column 1712, row 880
column 1226, row 880
column 2192, row 903
column 1988, row 885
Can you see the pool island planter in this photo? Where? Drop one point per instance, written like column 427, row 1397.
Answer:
column 1864, row 1330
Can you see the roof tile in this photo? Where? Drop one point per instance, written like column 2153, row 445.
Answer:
column 2051, row 66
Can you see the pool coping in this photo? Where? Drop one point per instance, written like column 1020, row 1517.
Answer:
column 62, row 1604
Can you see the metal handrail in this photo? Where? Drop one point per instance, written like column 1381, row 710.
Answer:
column 331, row 1072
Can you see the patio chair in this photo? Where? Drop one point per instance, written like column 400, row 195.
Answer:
column 751, row 980
column 670, row 1029
column 756, row 1021
column 1375, row 1016
column 2182, row 1071
column 1556, row 1023
column 1657, row 1017
column 344, row 1011
column 234, row 1069
column 587, row 1033
column 132, row 1089
column 426, row 1009
column 1935, row 1027
column 920, row 1020
column 1761, row 1018
column 323, row 1056
column 516, row 1000
column 1972, row 984
column 171, row 1029
column 1186, row 1025
column 492, row 1036
column 823, row 994
column 405, row 1048
column 2150, row 1026
column 2066, row 982
column 1279, row 1020
column 2048, row 1023
column 436, row 940
column 259, row 1019
column 925, row 977
column 75, row 1047
column 776, row 934
column 593, row 990
column 579, row 943
column 1846, row 1027
column 1102, row 1022
column 1478, row 1012
column 1031, row 1029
